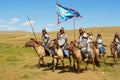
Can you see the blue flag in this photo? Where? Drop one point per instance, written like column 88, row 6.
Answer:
column 65, row 14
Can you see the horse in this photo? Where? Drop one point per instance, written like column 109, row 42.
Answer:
column 39, row 48
column 78, row 55
column 58, row 53
column 113, row 49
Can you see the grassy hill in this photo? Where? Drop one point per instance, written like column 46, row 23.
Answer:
column 18, row 62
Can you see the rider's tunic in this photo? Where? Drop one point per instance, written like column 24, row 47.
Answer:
column 46, row 38
column 83, row 44
column 88, row 42
column 62, row 41
column 100, row 45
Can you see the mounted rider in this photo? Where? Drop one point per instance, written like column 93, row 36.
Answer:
column 100, row 44
column 83, row 42
column 117, row 40
column 81, row 35
column 62, row 41
column 45, row 37
column 89, row 40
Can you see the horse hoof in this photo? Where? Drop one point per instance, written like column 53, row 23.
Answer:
column 94, row 70
column 38, row 66
column 46, row 68
column 78, row 72
column 86, row 69
column 63, row 67
column 53, row 70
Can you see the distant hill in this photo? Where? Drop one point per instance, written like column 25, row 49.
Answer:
column 20, row 37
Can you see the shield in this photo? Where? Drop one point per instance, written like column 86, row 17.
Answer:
column 61, row 42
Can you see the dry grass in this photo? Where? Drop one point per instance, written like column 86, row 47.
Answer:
column 19, row 63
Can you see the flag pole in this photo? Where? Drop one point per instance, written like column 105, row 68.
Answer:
column 57, row 15
column 74, row 27
column 31, row 27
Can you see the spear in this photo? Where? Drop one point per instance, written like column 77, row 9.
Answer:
column 31, row 27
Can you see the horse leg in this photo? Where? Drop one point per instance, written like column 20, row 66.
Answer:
column 74, row 62
column 93, row 61
column 54, row 64
column 44, row 62
column 38, row 65
column 115, row 58
column 100, row 55
column 97, row 52
column 86, row 65
column 104, row 57
column 78, row 66
column 57, row 63
column 69, row 60
column 62, row 62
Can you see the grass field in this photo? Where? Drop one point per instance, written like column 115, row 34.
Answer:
column 19, row 63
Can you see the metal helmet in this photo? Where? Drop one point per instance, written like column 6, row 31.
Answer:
column 44, row 30
column 62, row 28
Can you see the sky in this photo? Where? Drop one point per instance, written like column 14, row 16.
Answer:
column 13, row 14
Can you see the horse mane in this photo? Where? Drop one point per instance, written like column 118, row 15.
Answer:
column 37, row 42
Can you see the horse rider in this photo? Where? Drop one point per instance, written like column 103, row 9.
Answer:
column 62, row 41
column 117, row 40
column 80, row 35
column 100, row 44
column 46, row 39
column 89, row 40
column 83, row 44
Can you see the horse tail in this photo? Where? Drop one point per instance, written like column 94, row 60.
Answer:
column 97, row 63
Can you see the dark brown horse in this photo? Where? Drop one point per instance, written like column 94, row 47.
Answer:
column 39, row 48
column 113, row 49
column 58, row 53
column 78, row 56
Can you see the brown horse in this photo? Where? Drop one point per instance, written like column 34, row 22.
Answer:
column 78, row 56
column 113, row 49
column 39, row 48
column 58, row 53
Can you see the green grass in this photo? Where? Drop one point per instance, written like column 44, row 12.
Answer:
column 19, row 63
column 26, row 76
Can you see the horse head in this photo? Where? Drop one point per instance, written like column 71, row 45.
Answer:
column 51, row 44
column 69, row 46
column 93, row 44
column 29, row 44
column 75, row 43
column 90, row 35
